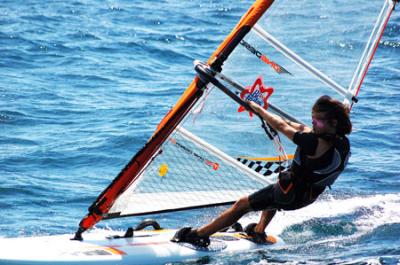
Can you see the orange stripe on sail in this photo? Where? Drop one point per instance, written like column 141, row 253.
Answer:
column 268, row 159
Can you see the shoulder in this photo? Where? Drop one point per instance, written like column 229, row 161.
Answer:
column 307, row 141
column 300, row 136
column 343, row 143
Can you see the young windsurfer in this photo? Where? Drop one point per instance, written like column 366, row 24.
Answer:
column 321, row 155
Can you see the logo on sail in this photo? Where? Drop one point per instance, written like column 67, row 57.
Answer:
column 257, row 93
column 213, row 165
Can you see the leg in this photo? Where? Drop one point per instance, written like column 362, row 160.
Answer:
column 227, row 218
column 265, row 219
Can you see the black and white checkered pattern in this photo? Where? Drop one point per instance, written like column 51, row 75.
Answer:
column 265, row 168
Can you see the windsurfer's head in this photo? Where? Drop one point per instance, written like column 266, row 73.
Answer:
column 330, row 116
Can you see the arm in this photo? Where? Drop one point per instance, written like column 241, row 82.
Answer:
column 298, row 126
column 279, row 124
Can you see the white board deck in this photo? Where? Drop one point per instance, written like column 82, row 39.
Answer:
column 146, row 247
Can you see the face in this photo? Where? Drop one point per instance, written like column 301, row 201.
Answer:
column 320, row 123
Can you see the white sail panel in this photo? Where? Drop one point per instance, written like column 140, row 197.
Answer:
column 188, row 173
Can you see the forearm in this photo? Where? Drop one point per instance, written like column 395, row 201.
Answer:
column 275, row 121
column 297, row 126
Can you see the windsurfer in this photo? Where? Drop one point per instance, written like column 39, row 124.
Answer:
column 321, row 155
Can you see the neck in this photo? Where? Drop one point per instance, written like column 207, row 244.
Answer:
column 327, row 136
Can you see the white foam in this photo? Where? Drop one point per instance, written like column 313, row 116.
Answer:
column 380, row 209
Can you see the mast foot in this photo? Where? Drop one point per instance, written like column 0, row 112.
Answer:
column 78, row 234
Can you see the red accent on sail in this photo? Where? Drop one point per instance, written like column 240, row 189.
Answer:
column 257, row 93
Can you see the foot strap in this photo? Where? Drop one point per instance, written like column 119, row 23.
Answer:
column 189, row 235
column 258, row 238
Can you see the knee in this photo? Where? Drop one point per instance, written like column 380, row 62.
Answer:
column 242, row 205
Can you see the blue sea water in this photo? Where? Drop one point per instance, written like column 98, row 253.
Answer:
column 84, row 84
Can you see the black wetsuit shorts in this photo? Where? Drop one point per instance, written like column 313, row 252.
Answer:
column 284, row 195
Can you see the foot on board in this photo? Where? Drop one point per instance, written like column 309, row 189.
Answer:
column 189, row 235
column 258, row 238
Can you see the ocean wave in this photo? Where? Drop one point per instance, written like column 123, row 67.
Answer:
column 363, row 214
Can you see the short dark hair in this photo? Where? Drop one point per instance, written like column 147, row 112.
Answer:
column 335, row 110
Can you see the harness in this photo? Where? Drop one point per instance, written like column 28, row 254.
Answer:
column 302, row 184
column 323, row 177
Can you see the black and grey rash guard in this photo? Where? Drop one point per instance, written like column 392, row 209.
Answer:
column 321, row 171
column 307, row 178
